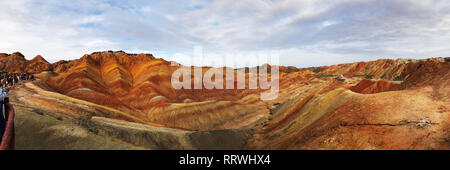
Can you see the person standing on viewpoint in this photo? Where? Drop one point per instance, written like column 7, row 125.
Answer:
column 4, row 92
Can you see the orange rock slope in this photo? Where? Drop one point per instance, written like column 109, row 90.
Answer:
column 368, row 86
column 16, row 63
column 409, row 114
column 382, row 104
column 141, row 86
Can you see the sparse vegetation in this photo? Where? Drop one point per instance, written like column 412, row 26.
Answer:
column 317, row 69
column 369, row 77
column 339, row 79
column 359, row 75
column 324, row 75
column 398, row 79
column 289, row 70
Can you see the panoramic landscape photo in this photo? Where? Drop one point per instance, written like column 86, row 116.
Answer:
column 225, row 75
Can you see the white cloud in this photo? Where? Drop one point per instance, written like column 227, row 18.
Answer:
column 307, row 32
column 89, row 19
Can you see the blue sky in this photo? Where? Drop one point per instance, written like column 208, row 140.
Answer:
column 304, row 32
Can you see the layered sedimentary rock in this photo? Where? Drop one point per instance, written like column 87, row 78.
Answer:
column 382, row 104
column 368, row 86
column 140, row 84
column 409, row 114
column 16, row 63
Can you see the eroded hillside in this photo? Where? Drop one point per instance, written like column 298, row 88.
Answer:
column 16, row 63
column 383, row 104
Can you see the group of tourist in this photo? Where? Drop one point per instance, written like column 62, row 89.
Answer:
column 14, row 78
column 7, row 81
column 3, row 94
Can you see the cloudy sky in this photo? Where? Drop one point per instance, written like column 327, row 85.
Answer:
column 304, row 32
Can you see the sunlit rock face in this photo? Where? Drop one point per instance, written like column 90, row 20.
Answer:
column 382, row 104
column 38, row 64
column 16, row 63
column 368, row 86
column 140, row 85
column 401, row 105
